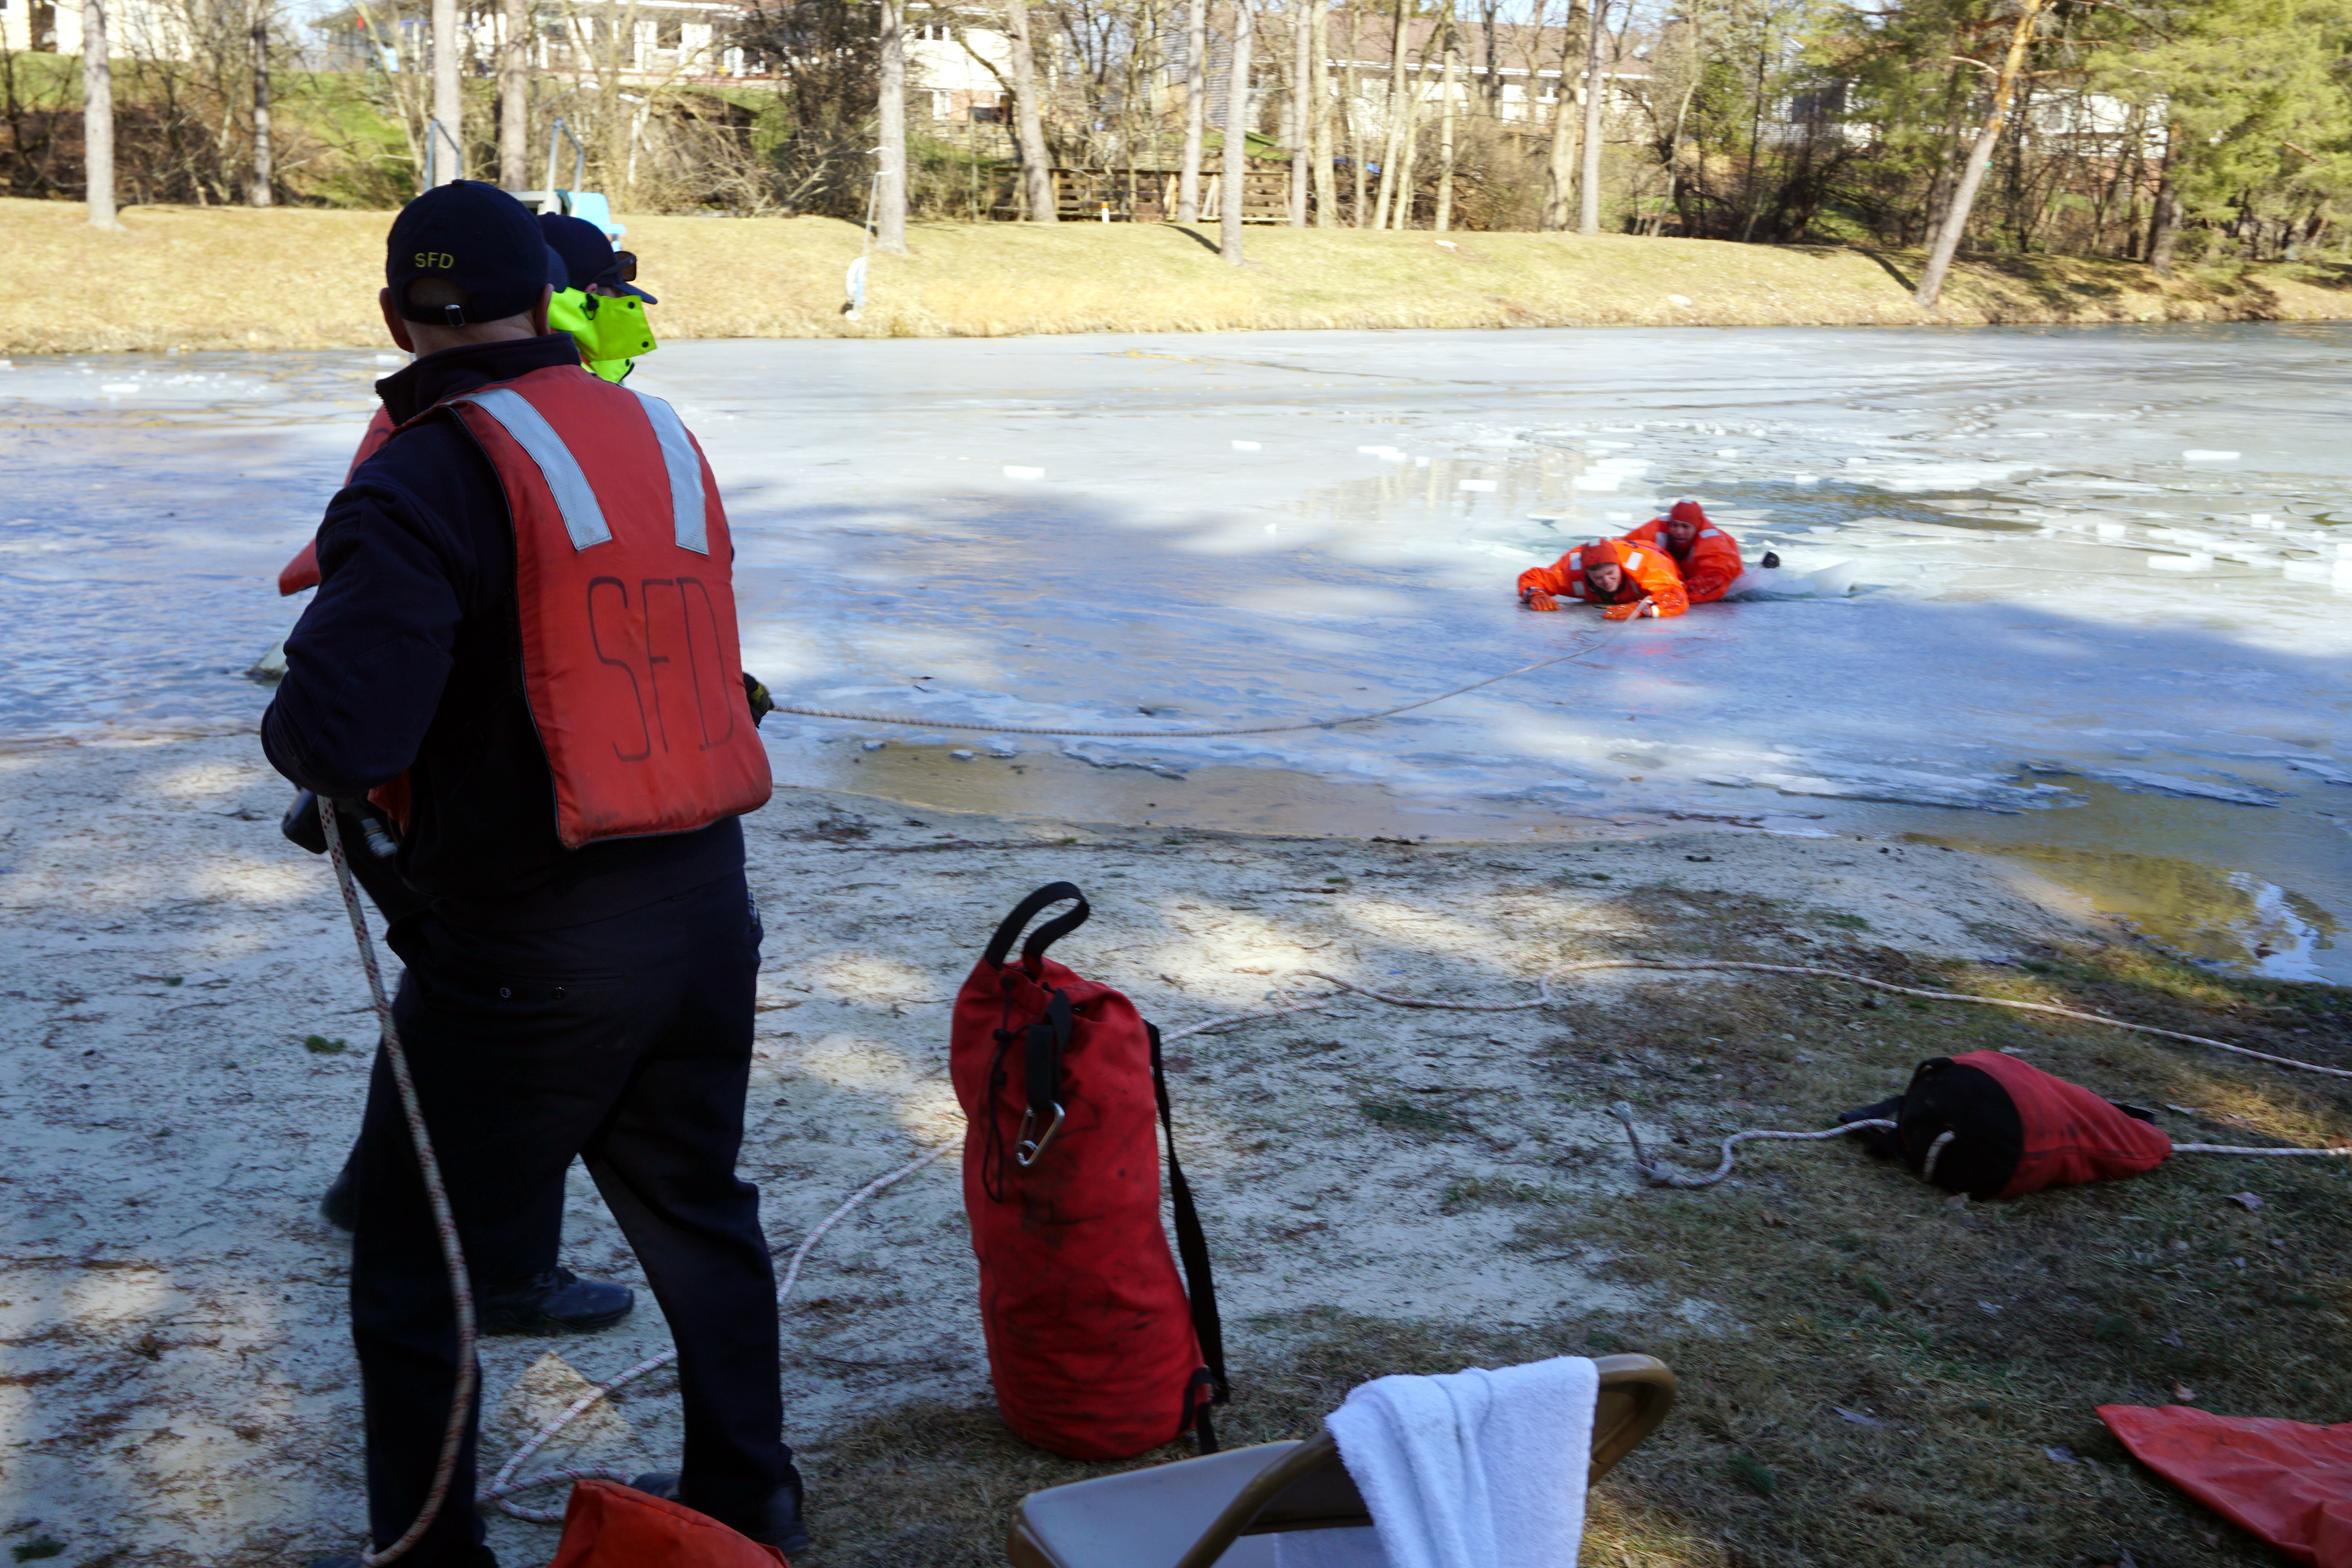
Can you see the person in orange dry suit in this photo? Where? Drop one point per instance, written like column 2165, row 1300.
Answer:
column 1708, row 558
column 1631, row 579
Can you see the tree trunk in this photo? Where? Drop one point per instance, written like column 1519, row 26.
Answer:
column 1028, row 124
column 2164, row 222
column 1408, row 185
column 1963, row 196
column 1588, row 182
column 97, row 117
column 1238, row 71
column 1562, row 174
column 264, row 178
column 445, row 149
column 1302, row 52
column 514, row 98
column 890, row 112
column 1390, row 137
column 1319, row 120
column 1355, row 109
column 1444, row 218
column 1196, row 110
column 1751, row 197
column 1674, row 158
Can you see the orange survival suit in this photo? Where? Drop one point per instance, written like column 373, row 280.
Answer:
column 1649, row 580
column 1710, row 567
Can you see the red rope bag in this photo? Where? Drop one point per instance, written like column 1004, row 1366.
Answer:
column 1094, row 1348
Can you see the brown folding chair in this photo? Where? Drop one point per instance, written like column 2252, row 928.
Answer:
column 1207, row 1510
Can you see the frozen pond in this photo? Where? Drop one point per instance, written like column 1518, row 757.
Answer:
column 2101, row 618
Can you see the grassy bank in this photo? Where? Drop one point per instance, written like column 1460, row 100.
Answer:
column 238, row 279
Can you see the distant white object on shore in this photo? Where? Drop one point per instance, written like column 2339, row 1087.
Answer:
column 1477, row 484
column 1015, row 471
column 2195, row 560
column 1248, row 446
column 2200, row 455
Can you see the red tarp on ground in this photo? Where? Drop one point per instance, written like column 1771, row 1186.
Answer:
column 2289, row 1483
column 607, row 1525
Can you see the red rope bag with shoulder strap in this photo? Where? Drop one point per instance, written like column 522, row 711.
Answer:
column 1095, row 1350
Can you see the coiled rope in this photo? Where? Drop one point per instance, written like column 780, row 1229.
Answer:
column 453, row 1253
column 1616, row 630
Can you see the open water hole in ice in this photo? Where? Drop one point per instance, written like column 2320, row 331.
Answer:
column 2099, row 617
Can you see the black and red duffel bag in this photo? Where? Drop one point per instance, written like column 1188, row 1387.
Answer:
column 1991, row 1126
column 1096, row 1348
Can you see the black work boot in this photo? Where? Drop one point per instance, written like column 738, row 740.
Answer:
column 779, row 1524
column 556, row 1302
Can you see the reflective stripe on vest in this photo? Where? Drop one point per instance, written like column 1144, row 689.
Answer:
column 575, row 498
column 684, row 466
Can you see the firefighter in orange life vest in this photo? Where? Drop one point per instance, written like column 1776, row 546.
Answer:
column 524, row 649
column 1633, row 580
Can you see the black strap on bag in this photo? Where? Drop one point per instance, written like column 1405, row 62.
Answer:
column 1000, row 946
column 1042, row 1044
column 1200, row 1283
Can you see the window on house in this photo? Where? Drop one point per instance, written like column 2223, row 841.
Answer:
column 668, row 35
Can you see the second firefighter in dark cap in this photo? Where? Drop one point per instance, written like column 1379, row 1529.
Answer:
column 495, row 584
column 598, row 300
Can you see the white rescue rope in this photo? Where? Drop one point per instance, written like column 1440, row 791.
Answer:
column 1660, row 1175
column 453, row 1254
column 1616, row 630
column 2050, row 1008
column 503, row 1487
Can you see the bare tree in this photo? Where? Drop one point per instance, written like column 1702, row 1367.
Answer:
column 1444, row 218
column 1390, row 145
column 1237, row 72
column 514, row 97
column 1963, row 196
column 264, row 178
column 1588, row 183
column 1196, row 109
column 98, row 116
column 890, row 110
column 446, row 151
column 1318, row 110
column 1560, row 172
column 1302, row 38
column 1028, row 125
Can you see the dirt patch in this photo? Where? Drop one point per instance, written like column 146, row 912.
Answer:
column 1387, row 1190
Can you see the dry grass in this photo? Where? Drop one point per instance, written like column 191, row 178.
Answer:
column 237, row 279
column 1973, row 1339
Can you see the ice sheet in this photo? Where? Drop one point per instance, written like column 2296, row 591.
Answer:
column 1123, row 532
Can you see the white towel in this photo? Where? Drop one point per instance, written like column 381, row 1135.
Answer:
column 1478, row 1470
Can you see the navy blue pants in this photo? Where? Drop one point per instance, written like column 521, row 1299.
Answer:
column 628, row 1043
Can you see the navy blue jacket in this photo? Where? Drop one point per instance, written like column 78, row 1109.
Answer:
column 410, row 659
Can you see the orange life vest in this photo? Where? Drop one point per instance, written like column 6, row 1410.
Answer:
column 302, row 572
column 625, row 591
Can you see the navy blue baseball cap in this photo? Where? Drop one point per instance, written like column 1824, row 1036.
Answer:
column 588, row 257
column 475, row 237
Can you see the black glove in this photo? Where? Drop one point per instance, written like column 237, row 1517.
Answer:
column 757, row 696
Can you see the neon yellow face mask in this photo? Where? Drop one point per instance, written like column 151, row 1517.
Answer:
column 611, row 330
